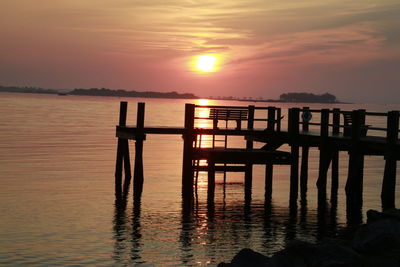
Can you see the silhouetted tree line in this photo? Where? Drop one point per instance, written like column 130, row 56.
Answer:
column 120, row 92
column 308, row 97
column 33, row 90
column 98, row 92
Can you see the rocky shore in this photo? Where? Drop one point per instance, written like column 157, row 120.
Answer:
column 374, row 244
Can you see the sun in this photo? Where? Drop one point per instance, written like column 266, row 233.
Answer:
column 206, row 63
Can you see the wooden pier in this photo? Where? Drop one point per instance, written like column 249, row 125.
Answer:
column 337, row 130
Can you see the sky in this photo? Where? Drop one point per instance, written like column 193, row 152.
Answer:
column 262, row 48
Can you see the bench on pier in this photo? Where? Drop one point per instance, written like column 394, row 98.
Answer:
column 227, row 114
column 348, row 125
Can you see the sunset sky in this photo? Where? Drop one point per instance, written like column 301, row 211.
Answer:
column 262, row 48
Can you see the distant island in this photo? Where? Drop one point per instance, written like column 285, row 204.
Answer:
column 308, row 97
column 300, row 98
column 124, row 93
column 99, row 92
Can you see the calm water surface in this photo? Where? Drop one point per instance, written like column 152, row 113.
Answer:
column 57, row 156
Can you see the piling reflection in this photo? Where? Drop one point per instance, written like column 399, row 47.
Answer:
column 186, row 235
column 136, row 232
column 235, row 223
column 120, row 229
column 127, row 232
column 228, row 223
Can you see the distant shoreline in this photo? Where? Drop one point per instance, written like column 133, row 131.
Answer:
column 100, row 92
column 281, row 101
column 284, row 98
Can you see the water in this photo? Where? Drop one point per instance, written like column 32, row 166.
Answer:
column 57, row 156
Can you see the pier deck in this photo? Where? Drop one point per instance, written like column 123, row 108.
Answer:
column 370, row 145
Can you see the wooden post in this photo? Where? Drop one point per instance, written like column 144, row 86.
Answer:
column 211, row 181
column 269, row 168
column 293, row 128
column 278, row 116
column 121, row 152
column 324, row 156
column 304, row 160
column 336, row 121
column 138, row 169
column 127, row 167
column 335, row 157
column 389, row 179
column 187, row 168
column 248, row 177
column 356, row 164
column 271, row 120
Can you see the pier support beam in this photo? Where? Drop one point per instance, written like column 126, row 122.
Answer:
column 122, row 160
column 187, row 167
column 304, row 159
column 269, row 172
column 269, row 168
column 248, row 176
column 335, row 158
column 211, row 181
column 127, row 167
column 138, row 177
column 389, row 179
column 293, row 128
column 304, row 172
column 324, row 156
column 354, row 184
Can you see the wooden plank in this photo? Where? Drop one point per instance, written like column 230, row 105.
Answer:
column 219, row 168
column 242, row 156
column 228, row 114
column 369, row 143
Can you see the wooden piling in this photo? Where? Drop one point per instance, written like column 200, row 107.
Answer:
column 248, row 177
column 335, row 157
column 127, row 167
column 211, row 181
column 293, row 128
column 187, row 167
column 354, row 182
column 269, row 168
column 122, row 153
column 138, row 177
column 279, row 121
column 304, row 160
column 389, row 179
column 324, row 156
column 271, row 119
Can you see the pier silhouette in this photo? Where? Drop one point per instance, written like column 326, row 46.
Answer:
column 334, row 131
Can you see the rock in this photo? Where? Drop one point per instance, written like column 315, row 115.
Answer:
column 327, row 254
column 375, row 244
column 377, row 236
column 373, row 215
column 249, row 258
